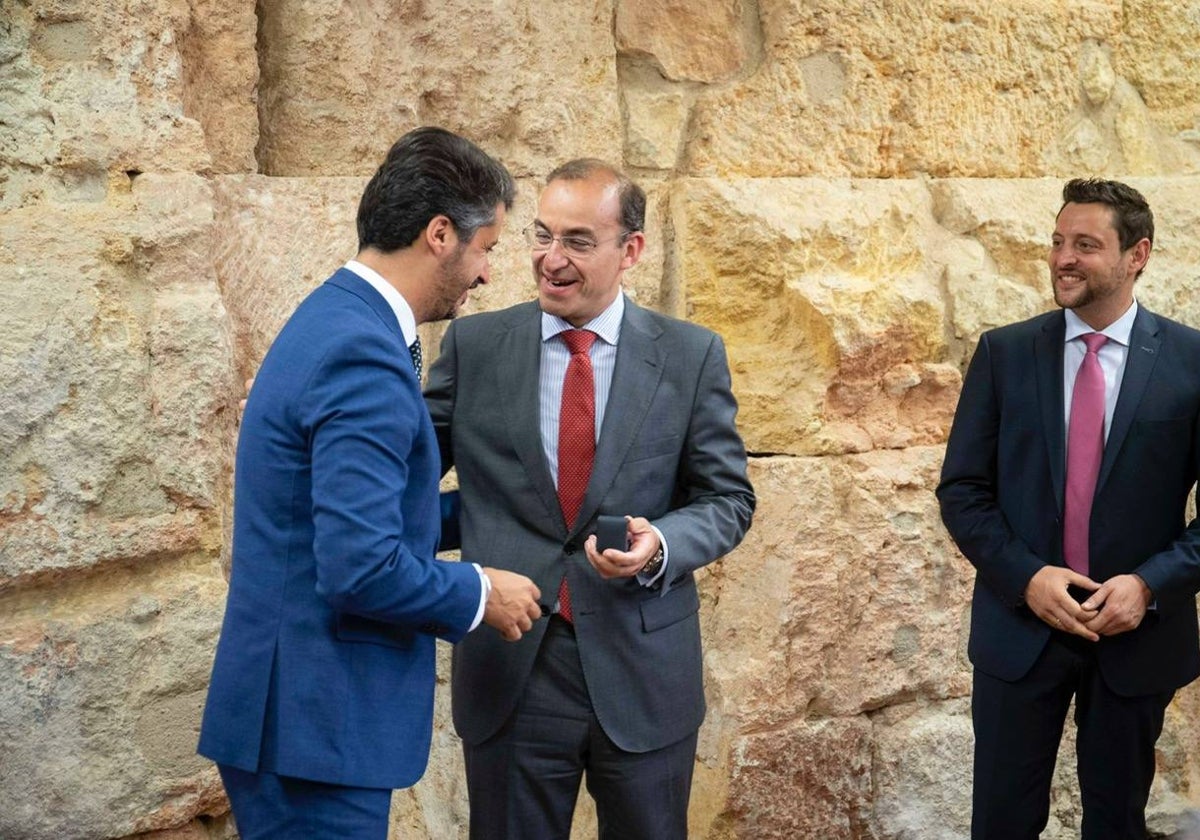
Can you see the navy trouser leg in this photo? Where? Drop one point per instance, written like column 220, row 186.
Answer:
column 271, row 807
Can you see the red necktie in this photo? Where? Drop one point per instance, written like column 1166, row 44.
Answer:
column 576, row 438
column 1085, row 448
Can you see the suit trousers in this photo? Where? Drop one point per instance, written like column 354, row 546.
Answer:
column 271, row 807
column 1018, row 727
column 524, row 781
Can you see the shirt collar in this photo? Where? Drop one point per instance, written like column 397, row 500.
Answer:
column 1119, row 330
column 607, row 324
column 404, row 313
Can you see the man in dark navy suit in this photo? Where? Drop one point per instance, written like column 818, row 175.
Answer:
column 321, row 699
column 1073, row 451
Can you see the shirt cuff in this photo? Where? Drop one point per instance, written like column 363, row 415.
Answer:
column 485, row 589
column 650, row 581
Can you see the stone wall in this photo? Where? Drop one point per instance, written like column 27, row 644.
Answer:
column 850, row 191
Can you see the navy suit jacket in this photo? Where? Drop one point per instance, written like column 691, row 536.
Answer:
column 669, row 450
column 325, row 665
column 1002, row 486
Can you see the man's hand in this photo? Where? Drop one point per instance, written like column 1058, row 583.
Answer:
column 242, row 404
column 1047, row 596
column 1124, row 598
column 512, row 606
column 614, row 563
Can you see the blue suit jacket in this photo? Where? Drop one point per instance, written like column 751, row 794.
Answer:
column 1002, row 489
column 325, row 665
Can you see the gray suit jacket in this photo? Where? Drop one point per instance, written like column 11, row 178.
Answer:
column 669, row 450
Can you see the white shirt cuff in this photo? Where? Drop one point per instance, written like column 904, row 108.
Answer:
column 485, row 589
column 645, row 581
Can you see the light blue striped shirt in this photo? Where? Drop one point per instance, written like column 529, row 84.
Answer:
column 555, row 357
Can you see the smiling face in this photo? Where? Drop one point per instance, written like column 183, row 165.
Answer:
column 466, row 266
column 1090, row 273
column 578, row 288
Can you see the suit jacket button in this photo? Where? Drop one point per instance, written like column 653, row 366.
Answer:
column 569, row 548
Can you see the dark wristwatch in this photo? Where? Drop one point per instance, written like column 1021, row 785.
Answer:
column 653, row 564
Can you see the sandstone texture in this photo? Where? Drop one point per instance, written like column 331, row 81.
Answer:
column 341, row 81
column 850, row 193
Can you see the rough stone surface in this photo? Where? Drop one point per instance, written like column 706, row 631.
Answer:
column 108, row 452
column 700, row 42
column 955, row 89
column 849, row 192
column 138, row 85
column 829, row 298
column 100, row 695
column 341, row 81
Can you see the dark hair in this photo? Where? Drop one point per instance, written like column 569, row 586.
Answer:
column 431, row 172
column 1131, row 213
column 632, row 197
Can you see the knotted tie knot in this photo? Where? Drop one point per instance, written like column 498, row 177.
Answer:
column 578, row 341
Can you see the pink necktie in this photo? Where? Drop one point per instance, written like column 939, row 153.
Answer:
column 1085, row 448
column 576, row 438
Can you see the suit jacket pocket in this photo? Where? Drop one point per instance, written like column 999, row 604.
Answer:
column 355, row 628
column 681, row 602
column 656, row 448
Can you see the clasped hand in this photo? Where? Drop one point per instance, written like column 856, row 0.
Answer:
column 1113, row 607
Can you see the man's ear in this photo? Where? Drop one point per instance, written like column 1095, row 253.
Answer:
column 634, row 243
column 439, row 235
column 1139, row 255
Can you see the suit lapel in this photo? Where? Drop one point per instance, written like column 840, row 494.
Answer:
column 1048, row 361
column 520, row 344
column 638, row 371
column 1139, row 364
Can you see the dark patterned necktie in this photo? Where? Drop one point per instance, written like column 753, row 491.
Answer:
column 414, row 350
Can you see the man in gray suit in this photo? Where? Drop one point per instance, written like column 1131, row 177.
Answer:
column 572, row 414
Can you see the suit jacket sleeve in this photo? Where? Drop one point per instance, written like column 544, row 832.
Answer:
column 1167, row 435
column 968, row 489
column 365, row 416
column 713, row 499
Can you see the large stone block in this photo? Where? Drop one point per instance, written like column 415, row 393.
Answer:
column 137, row 86
column 1159, row 54
column 340, row 81
column 921, row 770
column 945, row 89
column 828, row 296
column 101, row 689
column 846, row 571
column 110, row 450
column 701, row 42
column 807, row 779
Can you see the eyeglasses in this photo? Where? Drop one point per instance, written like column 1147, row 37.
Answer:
column 540, row 239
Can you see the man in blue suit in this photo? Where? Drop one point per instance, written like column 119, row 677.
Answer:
column 321, row 697
column 1073, row 451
